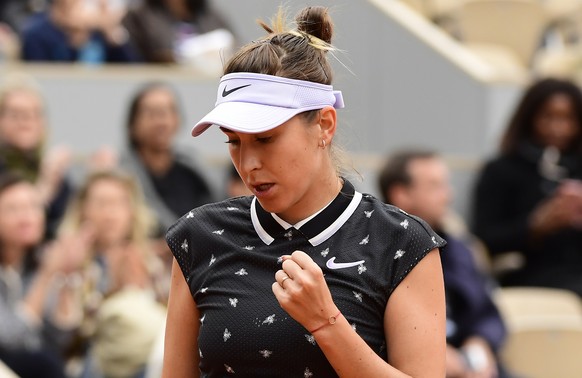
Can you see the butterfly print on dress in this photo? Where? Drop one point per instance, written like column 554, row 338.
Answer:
column 241, row 272
column 362, row 268
column 269, row 319
column 266, row 353
column 229, row 369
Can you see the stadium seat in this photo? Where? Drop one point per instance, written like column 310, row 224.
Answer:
column 544, row 350
column 490, row 26
column 544, row 331
column 521, row 306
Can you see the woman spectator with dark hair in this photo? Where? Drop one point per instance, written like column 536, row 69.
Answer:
column 38, row 309
column 170, row 181
column 169, row 31
column 529, row 198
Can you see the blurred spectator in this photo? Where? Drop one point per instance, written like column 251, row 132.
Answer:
column 77, row 30
column 169, row 179
column 178, row 31
column 22, row 137
column 38, row 308
column 15, row 12
column 124, row 282
column 9, row 43
column 12, row 16
column 529, row 198
column 417, row 181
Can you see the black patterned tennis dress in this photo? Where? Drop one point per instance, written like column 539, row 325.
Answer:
column 229, row 252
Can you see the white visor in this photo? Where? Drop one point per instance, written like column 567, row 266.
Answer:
column 254, row 103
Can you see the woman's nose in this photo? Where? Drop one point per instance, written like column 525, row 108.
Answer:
column 250, row 159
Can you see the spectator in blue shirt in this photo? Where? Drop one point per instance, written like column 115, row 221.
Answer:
column 418, row 183
column 70, row 31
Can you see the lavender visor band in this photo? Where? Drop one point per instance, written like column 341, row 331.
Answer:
column 254, row 103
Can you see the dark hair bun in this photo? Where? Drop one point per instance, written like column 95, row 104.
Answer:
column 315, row 21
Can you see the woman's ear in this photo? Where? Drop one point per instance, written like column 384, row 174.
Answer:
column 327, row 123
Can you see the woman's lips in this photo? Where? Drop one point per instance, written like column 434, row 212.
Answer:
column 262, row 189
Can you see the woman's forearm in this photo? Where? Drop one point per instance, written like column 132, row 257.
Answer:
column 349, row 354
column 35, row 300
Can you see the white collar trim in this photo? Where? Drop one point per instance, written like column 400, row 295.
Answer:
column 316, row 240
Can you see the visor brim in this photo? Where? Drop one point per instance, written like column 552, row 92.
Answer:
column 246, row 117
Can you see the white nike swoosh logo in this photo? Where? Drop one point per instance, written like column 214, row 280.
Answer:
column 331, row 264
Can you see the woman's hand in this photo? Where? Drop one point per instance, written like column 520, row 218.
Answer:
column 61, row 258
column 68, row 254
column 108, row 21
column 302, row 291
column 562, row 210
column 52, row 172
column 481, row 358
column 127, row 267
column 571, row 190
column 104, row 159
column 458, row 366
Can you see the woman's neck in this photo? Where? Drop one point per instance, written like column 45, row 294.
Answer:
column 12, row 256
column 180, row 12
column 327, row 190
column 157, row 161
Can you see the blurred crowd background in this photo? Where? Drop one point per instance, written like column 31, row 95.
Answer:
column 480, row 98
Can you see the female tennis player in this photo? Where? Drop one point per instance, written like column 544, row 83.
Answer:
column 308, row 277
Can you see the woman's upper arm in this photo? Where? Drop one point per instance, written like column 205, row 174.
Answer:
column 181, row 356
column 415, row 318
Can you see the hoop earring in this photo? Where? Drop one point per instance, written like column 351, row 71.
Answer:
column 322, row 144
